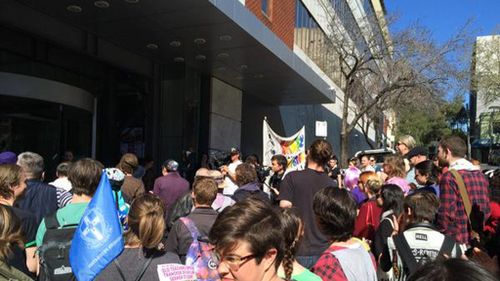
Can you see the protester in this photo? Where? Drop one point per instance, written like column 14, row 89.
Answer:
column 149, row 174
column 492, row 227
column 426, row 175
column 84, row 176
column 116, row 178
column 230, row 170
column 8, row 157
column 404, row 145
column 171, row 185
column 373, row 162
column 394, row 169
column 293, row 231
column 144, row 249
column 68, row 156
column 62, row 177
column 62, row 185
column 248, row 241
column 184, row 204
column 12, row 256
column 278, row 166
column 351, row 179
column 416, row 155
column 366, row 165
column 391, row 199
column 298, row 189
column 334, row 170
column 419, row 242
column 12, row 186
column 131, row 187
column 452, row 270
column 202, row 217
column 221, row 201
column 369, row 213
column 346, row 258
column 453, row 218
column 39, row 198
column 246, row 178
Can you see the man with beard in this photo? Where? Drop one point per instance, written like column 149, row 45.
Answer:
column 453, row 219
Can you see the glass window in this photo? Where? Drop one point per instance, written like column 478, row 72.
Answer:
column 264, row 5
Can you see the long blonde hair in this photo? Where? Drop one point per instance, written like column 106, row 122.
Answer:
column 10, row 232
column 146, row 222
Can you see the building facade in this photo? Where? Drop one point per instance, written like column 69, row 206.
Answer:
column 484, row 99
column 157, row 78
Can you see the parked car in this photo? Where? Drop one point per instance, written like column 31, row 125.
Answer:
column 379, row 154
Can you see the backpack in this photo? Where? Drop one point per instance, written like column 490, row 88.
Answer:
column 54, row 252
column 200, row 254
column 408, row 259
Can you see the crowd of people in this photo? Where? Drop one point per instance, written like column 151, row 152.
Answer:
column 411, row 218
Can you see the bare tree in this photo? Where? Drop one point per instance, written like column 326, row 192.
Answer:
column 486, row 68
column 376, row 72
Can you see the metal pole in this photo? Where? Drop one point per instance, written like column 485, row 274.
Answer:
column 94, row 129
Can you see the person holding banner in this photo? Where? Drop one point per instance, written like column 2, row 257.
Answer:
column 144, row 249
column 84, row 176
column 298, row 189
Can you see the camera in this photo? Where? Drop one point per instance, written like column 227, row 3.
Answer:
column 262, row 172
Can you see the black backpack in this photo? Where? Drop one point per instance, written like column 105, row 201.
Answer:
column 54, row 252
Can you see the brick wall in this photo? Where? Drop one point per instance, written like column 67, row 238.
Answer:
column 280, row 18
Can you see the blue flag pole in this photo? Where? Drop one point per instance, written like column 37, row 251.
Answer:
column 98, row 239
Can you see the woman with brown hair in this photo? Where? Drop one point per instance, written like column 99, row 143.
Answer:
column 395, row 173
column 12, row 258
column 131, row 187
column 144, row 249
column 12, row 186
column 248, row 241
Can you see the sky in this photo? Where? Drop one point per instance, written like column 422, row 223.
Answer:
column 445, row 17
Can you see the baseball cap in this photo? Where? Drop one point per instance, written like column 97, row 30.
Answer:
column 115, row 177
column 171, row 165
column 234, row 151
column 8, row 157
column 416, row 151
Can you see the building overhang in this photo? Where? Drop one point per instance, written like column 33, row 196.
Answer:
column 221, row 38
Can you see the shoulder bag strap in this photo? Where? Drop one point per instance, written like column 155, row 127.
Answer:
column 143, row 270
column 51, row 221
column 447, row 247
column 405, row 253
column 118, row 267
column 191, row 227
column 141, row 273
column 463, row 192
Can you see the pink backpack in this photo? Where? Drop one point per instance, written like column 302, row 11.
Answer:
column 200, row 254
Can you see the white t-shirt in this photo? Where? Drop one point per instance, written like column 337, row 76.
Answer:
column 63, row 183
column 230, row 185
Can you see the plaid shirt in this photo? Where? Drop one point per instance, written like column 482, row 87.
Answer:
column 452, row 218
column 328, row 266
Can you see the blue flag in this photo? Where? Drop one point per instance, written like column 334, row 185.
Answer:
column 98, row 239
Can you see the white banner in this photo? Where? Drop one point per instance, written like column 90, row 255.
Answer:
column 293, row 148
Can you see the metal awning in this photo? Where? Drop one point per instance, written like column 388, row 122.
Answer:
column 217, row 37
